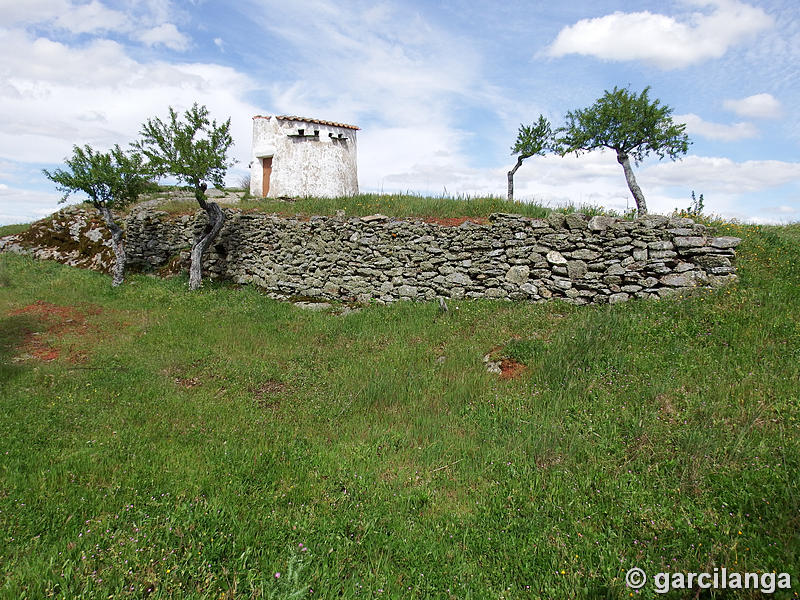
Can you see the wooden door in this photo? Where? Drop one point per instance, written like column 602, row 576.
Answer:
column 266, row 175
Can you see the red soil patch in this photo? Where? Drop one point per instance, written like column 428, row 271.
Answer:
column 188, row 383
column 267, row 395
column 510, row 369
column 455, row 221
column 57, row 321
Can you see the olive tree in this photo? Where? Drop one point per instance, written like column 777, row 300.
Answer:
column 532, row 140
column 193, row 149
column 631, row 125
column 111, row 180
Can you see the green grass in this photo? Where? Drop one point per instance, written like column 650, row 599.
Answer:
column 13, row 229
column 393, row 205
column 194, row 445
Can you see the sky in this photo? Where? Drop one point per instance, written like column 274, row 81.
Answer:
column 439, row 90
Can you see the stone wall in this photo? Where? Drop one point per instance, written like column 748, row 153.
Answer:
column 573, row 257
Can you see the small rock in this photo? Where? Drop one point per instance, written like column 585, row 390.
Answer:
column 518, row 274
column 652, row 221
column 600, row 223
column 686, row 279
column 313, row 306
column 585, row 253
column 408, row 291
column 459, row 279
column 661, row 245
column 726, row 242
column 556, row 220
column 576, row 221
column 689, row 242
column 374, row 218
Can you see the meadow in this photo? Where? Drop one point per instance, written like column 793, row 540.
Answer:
column 392, row 205
column 161, row 443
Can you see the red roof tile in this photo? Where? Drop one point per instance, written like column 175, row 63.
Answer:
column 305, row 120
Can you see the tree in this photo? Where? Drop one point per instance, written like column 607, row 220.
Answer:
column 633, row 126
column 194, row 151
column 531, row 140
column 112, row 180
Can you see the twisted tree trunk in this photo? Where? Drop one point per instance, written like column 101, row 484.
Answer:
column 511, row 177
column 641, row 204
column 216, row 219
column 118, row 271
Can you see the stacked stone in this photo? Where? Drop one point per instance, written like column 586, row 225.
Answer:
column 153, row 238
column 572, row 257
column 75, row 236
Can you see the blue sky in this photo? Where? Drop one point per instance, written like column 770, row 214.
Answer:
column 438, row 89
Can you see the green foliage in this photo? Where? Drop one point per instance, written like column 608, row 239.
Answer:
column 535, row 139
column 112, row 179
column 695, row 209
column 193, row 149
column 628, row 123
column 525, row 350
column 393, row 205
column 13, row 229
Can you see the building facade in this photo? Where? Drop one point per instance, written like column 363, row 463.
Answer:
column 296, row 157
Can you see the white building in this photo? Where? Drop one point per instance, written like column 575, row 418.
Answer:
column 296, row 157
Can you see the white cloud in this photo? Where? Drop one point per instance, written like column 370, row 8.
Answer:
column 724, row 175
column 14, row 12
column 6, row 169
column 662, row 40
column 31, row 65
column 385, row 68
column 59, row 95
column 407, row 81
column 146, row 22
column 219, row 43
column 20, row 206
column 92, row 17
column 596, row 179
column 717, row 131
column 405, row 89
column 385, row 63
column 165, row 34
column 62, row 14
column 759, row 106
column 160, row 11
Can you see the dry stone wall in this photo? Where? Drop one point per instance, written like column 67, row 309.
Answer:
column 572, row 257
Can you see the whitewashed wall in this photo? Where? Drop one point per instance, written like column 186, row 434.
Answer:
column 323, row 165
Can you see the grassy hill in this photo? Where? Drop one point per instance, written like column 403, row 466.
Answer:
column 160, row 443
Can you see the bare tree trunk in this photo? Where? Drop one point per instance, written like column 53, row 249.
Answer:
column 511, row 178
column 641, row 204
column 118, row 271
column 216, row 219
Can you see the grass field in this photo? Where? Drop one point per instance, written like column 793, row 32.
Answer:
column 165, row 444
column 392, row 205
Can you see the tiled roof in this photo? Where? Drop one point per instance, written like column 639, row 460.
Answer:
column 304, row 120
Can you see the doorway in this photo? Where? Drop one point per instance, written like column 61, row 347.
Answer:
column 267, row 162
